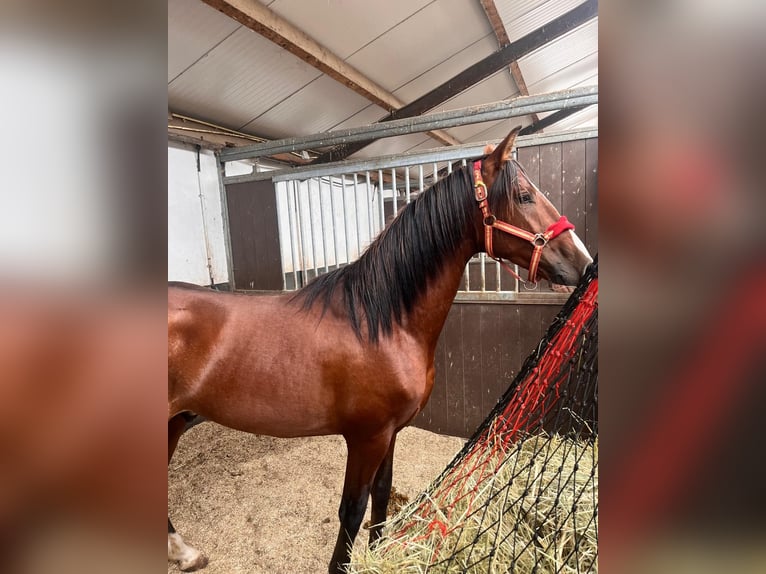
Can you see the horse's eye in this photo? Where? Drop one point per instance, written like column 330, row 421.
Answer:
column 525, row 198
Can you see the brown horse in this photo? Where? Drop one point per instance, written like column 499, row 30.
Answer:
column 352, row 353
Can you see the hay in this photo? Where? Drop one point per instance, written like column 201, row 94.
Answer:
column 530, row 507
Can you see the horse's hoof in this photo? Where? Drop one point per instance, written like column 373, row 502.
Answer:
column 193, row 564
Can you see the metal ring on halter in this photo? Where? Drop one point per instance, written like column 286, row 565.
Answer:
column 539, row 237
column 489, row 220
column 528, row 283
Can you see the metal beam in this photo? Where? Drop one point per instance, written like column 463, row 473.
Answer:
column 548, row 121
column 442, row 154
column 520, row 106
column 479, row 71
column 257, row 17
column 490, row 11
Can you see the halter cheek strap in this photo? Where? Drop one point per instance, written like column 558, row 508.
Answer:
column 538, row 240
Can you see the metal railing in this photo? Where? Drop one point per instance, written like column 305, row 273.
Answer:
column 329, row 214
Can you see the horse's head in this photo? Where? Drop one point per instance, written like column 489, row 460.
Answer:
column 521, row 225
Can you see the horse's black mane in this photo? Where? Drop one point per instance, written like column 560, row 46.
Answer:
column 386, row 281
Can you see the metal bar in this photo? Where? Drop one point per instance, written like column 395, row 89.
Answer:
column 334, row 230
column 299, row 224
column 513, row 297
column 483, row 266
column 420, row 177
column 225, row 220
column 311, row 229
column 293, row 238
column 322, row 225
column 550, row 120
column 345, row 218
column 407, row 185
column 436, row 173
column 520, row 106
column 356, row 219
column 447, row 154
column 370, row 226
column 393, row 187
column 467, row 271
column 498, row 276
column 382, row 204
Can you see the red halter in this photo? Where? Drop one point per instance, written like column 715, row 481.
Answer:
column 538, row 240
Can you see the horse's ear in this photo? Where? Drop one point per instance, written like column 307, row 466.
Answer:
column 496, row 159
column 502, row 152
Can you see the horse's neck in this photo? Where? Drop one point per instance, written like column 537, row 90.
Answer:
column 426, row 320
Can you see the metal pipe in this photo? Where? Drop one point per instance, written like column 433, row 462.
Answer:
column 311, row 230
column 370, row 225
column 322, row 225
column 420, row 177
column 356, row 219
column 382, row 203
column 336, row 248
column 345, row 218
column 293, row 238
column 447, row 154
column 393, row 187
column 407, row 185
column 301, row 243
column 520, row 106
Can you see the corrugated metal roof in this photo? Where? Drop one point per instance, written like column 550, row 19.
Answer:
column 223, row 72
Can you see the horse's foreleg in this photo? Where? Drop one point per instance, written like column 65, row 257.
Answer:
column 188, row 558
column 364, row 459
column 381, row 492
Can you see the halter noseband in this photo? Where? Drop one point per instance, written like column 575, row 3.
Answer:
column 538, row 240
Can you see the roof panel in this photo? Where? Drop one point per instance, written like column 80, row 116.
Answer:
column 520, row 17
column 426, row 39
column 563, row 52
column 569, row 77
column 193, row 29
column 239, row 80
column 455, row 64
column 390, row 146
column 368, row 115
column 314, row 108
column 328, row 22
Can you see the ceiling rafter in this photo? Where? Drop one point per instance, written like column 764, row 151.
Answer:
column 490, row 10
column 478, row 72
column 257, row 17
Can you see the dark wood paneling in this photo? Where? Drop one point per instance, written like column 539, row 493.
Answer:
column 254, row 234
column 480, row 351
column 550, row 173
column 573, row 183
column 591, row 195
column 473, row 341
column 492, row 380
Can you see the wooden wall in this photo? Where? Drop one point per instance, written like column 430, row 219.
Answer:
column 480, row 351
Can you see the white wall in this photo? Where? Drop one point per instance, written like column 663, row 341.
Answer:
column 196, row 245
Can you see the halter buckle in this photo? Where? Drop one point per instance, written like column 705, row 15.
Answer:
column 481, row 191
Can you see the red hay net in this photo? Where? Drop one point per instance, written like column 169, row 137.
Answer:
column 555, row 392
